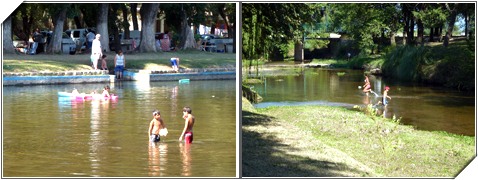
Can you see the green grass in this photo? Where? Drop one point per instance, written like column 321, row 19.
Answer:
column 149, row 61
column 380, row 145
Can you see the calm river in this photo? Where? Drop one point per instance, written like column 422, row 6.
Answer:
column 48, row 136
column 425, row 107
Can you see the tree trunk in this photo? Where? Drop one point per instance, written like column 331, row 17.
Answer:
column 113, row 26
column 27, row 21
column 420, row 32
column 134, row 13
column 467, row 20
column 411, row 30
column 451, row 23
column 187, row 36
column 432, row 35
column 298, row 51
column 77, row 22
column 102, row 27
column 125, row 21
column 148, row 24
column 59, row 19
column 392, row 38
column 440, row 36
column 7, row 36
column 230, row 26
column 405, row 25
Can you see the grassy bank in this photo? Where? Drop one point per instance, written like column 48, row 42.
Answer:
column 336, row 142
column 148, row 61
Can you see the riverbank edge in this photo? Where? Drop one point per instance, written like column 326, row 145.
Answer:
column 387, row 148
column 102, row 76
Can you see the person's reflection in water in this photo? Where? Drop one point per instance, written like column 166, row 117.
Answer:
column 174, row 101
column 366, row 100
column 185, row 149
column 95, row 137
column 157, row 158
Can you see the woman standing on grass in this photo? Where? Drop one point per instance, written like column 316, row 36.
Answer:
column 96, row 51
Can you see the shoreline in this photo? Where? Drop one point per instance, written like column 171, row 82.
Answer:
column 317, row 141
column 102, row 76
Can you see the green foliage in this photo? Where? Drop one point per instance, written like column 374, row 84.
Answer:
column 267, row 27
column 455, row 69
column 451, row 66
column 172, row 11
column 405, row 63
column 434, row 16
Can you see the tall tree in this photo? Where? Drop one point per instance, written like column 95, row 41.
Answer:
column 134, row 13
column 187, row 36
column 58, row 12
column 362, row 21
column 452, row 9
column 179, row 18
column 102, row 26
column 391, row 18
column 113, row 24
column 89, row 13
column 24, row 21
column 228, row 13
column 125, row 23
column 433, row 16
column 148, row 13
column 7, row 35
column 267, row 27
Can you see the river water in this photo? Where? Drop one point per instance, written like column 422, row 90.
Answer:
column 48, row 136
column 424, row 107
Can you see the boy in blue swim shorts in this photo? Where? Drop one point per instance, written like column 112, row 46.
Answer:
column 155, row 126
column 385, row 96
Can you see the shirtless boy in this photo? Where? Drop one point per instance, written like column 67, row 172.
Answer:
column 188, row 125
column 154, row 127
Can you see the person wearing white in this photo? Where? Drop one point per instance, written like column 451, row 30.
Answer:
column 96, row 51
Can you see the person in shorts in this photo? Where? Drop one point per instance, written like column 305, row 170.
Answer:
column 155, row 126
column 175, row 63
column 188, row 126
column 120, row 63
column 385, row 96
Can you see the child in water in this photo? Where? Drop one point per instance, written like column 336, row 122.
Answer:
column 188, row 126
column 385, row 96
column 106, row 91
column 155, row 126
column 366, row 87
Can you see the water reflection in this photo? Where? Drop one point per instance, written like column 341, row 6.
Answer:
column 186, row 159
column 158, row 158
column 174, row 101
column 107, row 138
column 95, row 139
column 425, row 107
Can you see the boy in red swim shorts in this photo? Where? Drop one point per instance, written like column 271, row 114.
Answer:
column 188, row 126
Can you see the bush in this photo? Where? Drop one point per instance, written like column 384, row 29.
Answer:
column 451, row 66
column 405, row 62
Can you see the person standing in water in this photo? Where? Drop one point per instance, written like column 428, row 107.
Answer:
column 188, row 125
column 155, row 126
column 385, row 96
column 366, row 87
